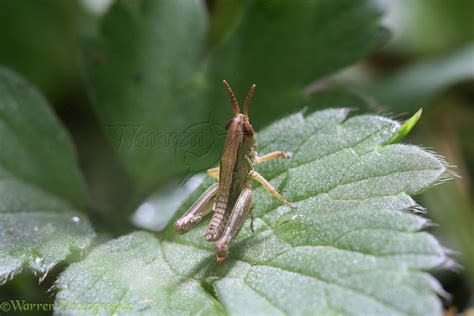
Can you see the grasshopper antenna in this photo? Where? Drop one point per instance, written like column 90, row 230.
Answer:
column 248, row 99
column 233, row 100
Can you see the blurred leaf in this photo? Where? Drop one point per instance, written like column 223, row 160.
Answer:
column 153, row 81
column 448, row 130
column 282, row 46
column 455, row 211
column 40, row 40
column 142, row 68
column 41, row 186
column 412, row 86
column 224, row 18
column 347, row 249
column 429, row 27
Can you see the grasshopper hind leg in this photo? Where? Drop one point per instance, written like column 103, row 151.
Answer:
column 237, row 218
column 202, row 207
column 218, row 221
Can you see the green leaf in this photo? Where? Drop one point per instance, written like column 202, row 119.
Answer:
column 447, row 25
column 41, row 187
column 282, row 46
column 40, row 40
column 351, row 247
column 413, row 86
column 141, row 279
column 137, row 86
column 406, row 127
column 141, row 93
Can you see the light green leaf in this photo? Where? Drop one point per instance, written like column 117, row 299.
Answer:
column 145, row 99
column 406, row 127
column 352, row 246
column 41, row 187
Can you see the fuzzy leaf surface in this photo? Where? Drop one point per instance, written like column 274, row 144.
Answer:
column 352, row 246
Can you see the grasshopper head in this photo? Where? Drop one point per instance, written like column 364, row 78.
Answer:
column 238, row 124
column 240, row 121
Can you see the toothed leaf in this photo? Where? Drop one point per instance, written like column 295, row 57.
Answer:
column 352, row 246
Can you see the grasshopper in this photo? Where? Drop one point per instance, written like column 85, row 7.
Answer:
column 231, row 198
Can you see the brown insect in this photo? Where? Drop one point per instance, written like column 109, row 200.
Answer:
column 231, row 198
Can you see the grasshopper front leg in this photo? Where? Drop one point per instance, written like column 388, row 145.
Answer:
column 267, row 186
column 237, row 218
column 202, row 207
column 214, row 172
column 271, row 156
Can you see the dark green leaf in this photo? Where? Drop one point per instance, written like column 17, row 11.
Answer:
column 282, row 46
column 40, row 40
column 138, row 87
column 41, row 187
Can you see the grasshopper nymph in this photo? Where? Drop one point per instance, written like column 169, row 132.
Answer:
column 231, row 198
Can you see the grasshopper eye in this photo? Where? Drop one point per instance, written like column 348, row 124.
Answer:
column 248, row 129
